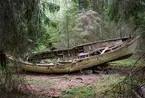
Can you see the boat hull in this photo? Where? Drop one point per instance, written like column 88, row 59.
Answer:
column 122, row 51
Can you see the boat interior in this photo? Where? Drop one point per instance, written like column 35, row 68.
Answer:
column 66, row 56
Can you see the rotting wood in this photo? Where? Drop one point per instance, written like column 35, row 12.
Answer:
column 82, row 63
column 104, row 50
column 80, row 52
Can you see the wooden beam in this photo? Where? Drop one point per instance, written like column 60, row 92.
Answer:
column 104, row 50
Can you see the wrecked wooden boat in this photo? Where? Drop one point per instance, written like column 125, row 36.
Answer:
column 81, row 56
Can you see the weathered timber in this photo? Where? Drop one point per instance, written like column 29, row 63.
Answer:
column 70, row 61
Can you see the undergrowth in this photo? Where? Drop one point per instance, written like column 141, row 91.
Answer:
column 127, row 63
column 79, row 92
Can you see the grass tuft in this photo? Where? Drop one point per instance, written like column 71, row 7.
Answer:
column 79, row 92
column 105, row 83
column 127, row 63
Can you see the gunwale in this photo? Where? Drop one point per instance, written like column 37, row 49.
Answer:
column 67, row 49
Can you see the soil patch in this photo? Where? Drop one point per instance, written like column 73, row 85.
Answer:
column 52, row 85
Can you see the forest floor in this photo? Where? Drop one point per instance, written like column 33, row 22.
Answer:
column 58, row 85
column 54, row 85
column 78, row 85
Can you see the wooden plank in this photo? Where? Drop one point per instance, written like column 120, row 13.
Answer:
column 104, row 50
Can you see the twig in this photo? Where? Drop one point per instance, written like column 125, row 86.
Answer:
column 131, row 74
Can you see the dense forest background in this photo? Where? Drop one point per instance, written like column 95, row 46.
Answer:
column 38, row 25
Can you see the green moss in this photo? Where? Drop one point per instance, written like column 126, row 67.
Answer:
column 43, row 83
column 127, row 63
column 79, row 92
